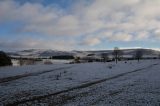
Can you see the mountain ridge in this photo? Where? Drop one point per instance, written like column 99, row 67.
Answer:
column 48, row 53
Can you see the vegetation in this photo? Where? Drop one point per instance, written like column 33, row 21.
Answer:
column 105, row 57
column 117, row 54
column 4, row 59
column 138, row 54
column 63, row 57
column 47, row 62
column 90, row 54
column 77, row 59
column 27, row 61
column 159, row 56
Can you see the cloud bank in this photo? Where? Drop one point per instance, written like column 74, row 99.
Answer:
column 83, row 23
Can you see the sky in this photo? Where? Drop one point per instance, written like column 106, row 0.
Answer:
column 79, row 24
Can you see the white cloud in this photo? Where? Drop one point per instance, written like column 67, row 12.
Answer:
column 28, row 43
column 91, row 41
column 122, row 20
column 142, row 35
column 157, row 33
column 120, row 37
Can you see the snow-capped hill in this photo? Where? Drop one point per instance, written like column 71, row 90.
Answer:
column 48, row 53
column 144, row 51
column 40, row 53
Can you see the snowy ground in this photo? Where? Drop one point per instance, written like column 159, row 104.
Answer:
column 56, row 61
column 130, row 83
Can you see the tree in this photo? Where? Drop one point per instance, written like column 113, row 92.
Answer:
column 117, row 54
column 21, row 62
column 4, row 59
column 120, row 55
column 63, row 57
column 77, row 59
column 104, row 57
column 159, row 56
column 138, row 54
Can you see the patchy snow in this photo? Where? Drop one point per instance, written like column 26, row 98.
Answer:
column 15, row 63
column 57, row 61
column 137, row 89
column 47, row 79
column 20, row 70
column 53, row 61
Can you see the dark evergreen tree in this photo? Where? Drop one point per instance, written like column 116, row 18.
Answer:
column 4, row 59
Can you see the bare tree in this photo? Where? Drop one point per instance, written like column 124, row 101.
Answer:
column 21, row 61
column 117, row 54
column 120, row 55
column 138, row 54
column 105, row 57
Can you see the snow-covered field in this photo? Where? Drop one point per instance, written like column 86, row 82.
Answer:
column 84, row 84
column 16, row 62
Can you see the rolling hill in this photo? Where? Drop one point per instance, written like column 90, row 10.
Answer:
column 48, row 53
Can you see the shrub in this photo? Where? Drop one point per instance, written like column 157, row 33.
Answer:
column 110, row 67
column 48, row 62
column 4, row 59
column 66, row 57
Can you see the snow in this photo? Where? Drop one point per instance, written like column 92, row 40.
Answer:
column 53, row 61
column 57, row 61
column 58, row 77
column 137, row 89
column 13, row 71
column 15, row 62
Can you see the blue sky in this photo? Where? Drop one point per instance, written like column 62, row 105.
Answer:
column 79, row 24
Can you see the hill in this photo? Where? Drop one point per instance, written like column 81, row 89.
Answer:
column 49, row 53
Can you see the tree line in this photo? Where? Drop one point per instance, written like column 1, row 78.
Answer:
column 118, row 55
column 62, row 57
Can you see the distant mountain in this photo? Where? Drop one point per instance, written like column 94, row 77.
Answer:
column 129, row 51
column 48, row 53
column 39, row 53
